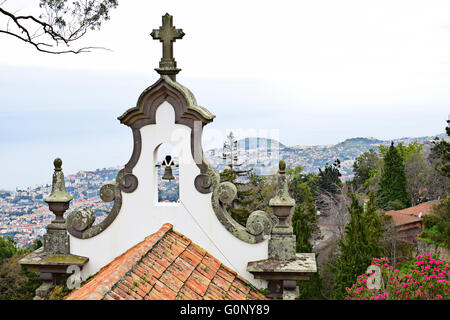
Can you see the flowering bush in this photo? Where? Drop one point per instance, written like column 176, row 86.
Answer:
column 429, row 279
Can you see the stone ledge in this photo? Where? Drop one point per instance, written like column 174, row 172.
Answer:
column 298, row 269
column 39, row 258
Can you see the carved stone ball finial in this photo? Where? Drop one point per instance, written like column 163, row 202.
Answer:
column 58, row 164
column 282, row 166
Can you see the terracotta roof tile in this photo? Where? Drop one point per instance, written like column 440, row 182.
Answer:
column 144, row 283
column 226, row 273
column 110, row 297
column 211, row 262
column 166, row 266
column 401, row 219
column 191, row 257
column 241, row 285
column 206, row 271
column 164, row 290
column 186, row 293
column 214, row 292
column 221, row 283
column 198, row 283
column 181, row 269
column 171, row 281
column 424, row 207
column 236, row 294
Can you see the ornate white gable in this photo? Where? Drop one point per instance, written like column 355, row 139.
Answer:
column 167, row 112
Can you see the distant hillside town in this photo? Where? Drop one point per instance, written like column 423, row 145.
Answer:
column 24, row 215
column 262, row 155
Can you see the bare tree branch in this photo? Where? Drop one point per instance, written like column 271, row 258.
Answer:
column 62, row 21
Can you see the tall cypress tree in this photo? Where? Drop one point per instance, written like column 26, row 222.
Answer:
column 360, row 244
column 392, row 192
column 304, row 223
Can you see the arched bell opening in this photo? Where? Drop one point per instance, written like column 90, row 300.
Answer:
column 167, row 174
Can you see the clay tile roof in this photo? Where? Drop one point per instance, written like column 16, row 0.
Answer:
column 424, row 207
column 411, row 215
column 401, row 219
column 166, row 266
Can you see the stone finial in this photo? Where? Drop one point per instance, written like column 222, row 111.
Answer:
column 284, row 266
column 53, row 260
column 167, row 34
column 282, row 242
column 56, row 240
column 59, row 193
column 282, row 197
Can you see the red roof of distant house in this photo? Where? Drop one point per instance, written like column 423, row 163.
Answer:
column 166, row 266
column 424, row 207
column 411, row 215
column 400, row 218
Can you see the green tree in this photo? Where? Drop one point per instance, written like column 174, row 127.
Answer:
column 299, row 181
column 441, row 151
column 329, row 177
column 404, row 151
column 416, row 172
column 392, row 193
column 304, row 223
column 365, row 167
column 7, row 248
column 239, row 208
column 262, row 190
column 359, row 245
column 437, row 225
column 16, row 282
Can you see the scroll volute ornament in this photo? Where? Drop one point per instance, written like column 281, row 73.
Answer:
column 259, row 224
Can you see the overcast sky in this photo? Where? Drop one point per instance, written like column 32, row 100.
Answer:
column 316, row 72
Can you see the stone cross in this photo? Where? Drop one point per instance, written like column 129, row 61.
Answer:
column 167, row 34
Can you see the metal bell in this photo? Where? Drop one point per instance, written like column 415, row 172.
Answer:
column 168, row 163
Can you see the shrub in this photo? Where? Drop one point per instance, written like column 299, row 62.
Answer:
column 394, row 205
column 429, row 221
column 428, row 279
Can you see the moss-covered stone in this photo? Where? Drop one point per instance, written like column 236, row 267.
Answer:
column 63, row 258
column 59, row 292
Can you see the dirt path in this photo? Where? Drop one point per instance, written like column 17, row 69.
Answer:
column 324, row 246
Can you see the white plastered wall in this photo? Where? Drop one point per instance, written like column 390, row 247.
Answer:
column 193, row 216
